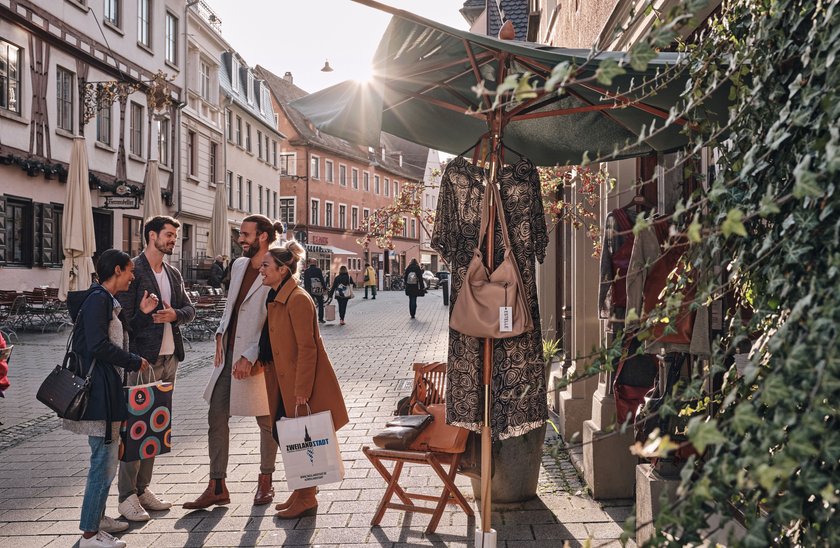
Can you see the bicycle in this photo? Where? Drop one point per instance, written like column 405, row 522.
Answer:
column 397, row 283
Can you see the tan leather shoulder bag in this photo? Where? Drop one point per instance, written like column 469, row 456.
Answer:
column 492, row 305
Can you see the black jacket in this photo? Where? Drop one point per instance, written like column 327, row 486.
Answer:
column 93, row 309
column 418, row 289
column 313, row 272
column 341, row 279
column 217, row 272
column 145, row 336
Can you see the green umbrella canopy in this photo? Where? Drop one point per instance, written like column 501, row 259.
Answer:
column 422, row 90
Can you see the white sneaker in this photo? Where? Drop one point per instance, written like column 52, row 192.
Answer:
column 149, row 501
column 101, row 540
column 131, row 509
column 110, row 525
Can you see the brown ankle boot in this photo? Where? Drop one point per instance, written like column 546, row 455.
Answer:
column 284, row 505
column 289, row 501
column 303, row 503
column 216, row 493
column 265, row 492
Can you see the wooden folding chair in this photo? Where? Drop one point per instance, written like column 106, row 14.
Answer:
column 429, row 387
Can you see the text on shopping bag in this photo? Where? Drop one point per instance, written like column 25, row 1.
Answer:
column 310, row 451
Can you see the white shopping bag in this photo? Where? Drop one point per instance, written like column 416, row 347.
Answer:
column 310, row 450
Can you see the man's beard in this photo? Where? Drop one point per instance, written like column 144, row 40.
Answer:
column 163, row 248
column 251, row 251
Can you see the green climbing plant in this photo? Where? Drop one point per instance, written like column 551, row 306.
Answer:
column 765, row 239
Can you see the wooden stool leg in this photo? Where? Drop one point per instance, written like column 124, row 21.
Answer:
column 450, row 493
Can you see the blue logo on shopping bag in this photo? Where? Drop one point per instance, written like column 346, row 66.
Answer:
column 309, row 444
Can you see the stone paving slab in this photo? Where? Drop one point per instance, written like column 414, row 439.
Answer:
column 44, row 467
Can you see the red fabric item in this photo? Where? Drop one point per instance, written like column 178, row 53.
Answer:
column 628, row 401
column 657, row 280
column 621, row 259
column 4, row 369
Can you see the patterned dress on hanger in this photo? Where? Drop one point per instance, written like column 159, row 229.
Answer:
column 518, row 391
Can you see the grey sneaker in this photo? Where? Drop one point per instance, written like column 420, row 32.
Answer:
column 110, row 525
column 149, row 501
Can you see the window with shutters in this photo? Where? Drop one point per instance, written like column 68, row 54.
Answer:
column 19, row 231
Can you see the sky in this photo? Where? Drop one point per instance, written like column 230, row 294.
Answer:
column 299, row 35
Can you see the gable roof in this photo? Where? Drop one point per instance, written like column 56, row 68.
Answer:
column 240, row 95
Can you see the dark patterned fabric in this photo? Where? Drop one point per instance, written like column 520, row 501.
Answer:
column 519, row 393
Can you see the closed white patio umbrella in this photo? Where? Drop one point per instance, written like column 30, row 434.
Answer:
column 219, row 241
column 152, row 204
column 77, row 235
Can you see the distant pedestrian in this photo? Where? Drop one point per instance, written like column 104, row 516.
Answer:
column 299, row 376
column 217, row 272
column 157, row 337
column 99, row 340
column 414, row 287
column 342, row 290
column 315, row 284
column 370, row 280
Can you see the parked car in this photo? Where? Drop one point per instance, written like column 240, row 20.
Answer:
column 432, row 281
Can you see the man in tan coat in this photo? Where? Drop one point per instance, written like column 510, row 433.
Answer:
column 236, row 387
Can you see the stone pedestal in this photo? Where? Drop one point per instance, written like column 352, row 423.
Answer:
column 516, row 467
column 650, row 489
column 575, row 405
column 607, row 462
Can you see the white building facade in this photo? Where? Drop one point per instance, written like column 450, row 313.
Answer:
column 53, row 56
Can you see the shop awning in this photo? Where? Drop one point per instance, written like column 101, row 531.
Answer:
column 338, row 251
column 422, row 90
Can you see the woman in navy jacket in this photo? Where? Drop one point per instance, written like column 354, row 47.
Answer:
column 98, row 340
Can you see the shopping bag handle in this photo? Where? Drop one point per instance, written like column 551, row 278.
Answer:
column 308, row 409
column 152, row 377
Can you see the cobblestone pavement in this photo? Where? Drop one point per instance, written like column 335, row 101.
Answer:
column 43, row 468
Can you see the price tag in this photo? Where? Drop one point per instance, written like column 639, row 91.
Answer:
column 505, row 319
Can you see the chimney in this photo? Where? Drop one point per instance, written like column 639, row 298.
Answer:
column 288, row 77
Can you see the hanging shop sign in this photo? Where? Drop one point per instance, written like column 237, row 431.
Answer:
column 122, row 202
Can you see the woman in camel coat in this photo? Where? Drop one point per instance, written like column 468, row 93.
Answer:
column 300, row 371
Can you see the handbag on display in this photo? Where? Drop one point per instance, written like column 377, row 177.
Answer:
column 147, row 432
column 401, row 431
column 492, row 305
column 438, row 436
column 64, row 391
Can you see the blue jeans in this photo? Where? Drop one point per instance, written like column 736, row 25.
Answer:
column 412, row 305
column 103, row 468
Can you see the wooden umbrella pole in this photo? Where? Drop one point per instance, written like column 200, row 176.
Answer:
column 486, row 433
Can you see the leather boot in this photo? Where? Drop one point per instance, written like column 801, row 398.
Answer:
column 289, row 501
column 284, row 505
column 265, row 492
column 303, row 503
column 216, row 493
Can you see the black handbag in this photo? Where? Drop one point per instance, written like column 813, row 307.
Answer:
column 401, row 431
column 64, row 391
